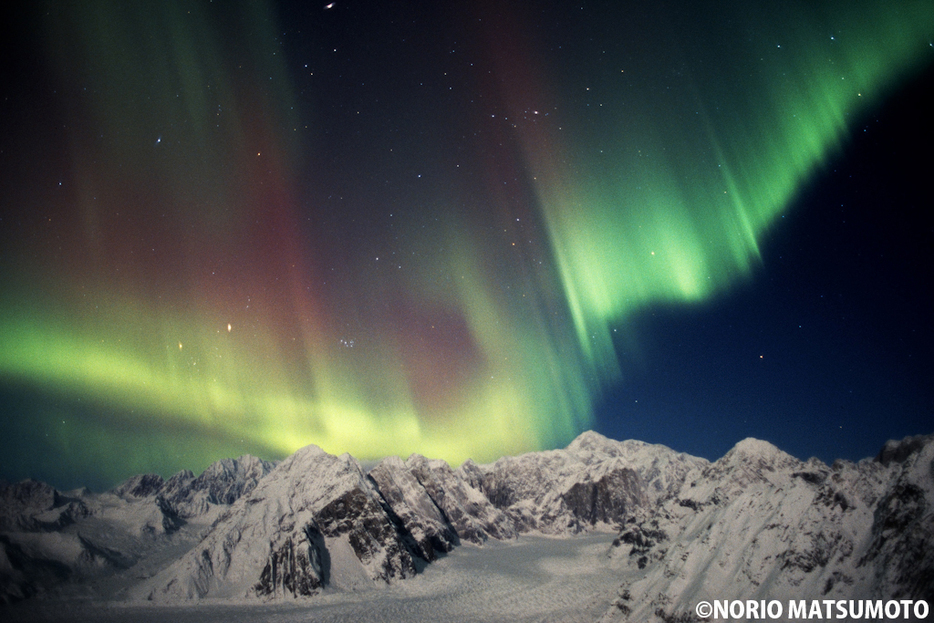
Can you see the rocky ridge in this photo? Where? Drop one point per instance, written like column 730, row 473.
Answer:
column 760, row 524
column 757, row 523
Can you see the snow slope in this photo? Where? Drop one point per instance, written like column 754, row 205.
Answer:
column 760, row 524
column 756, row 524
column 526, row 579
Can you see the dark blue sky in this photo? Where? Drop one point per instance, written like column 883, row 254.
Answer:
column 829, row 350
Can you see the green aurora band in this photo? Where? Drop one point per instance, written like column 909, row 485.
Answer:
column 661, row 200
column 668, row 203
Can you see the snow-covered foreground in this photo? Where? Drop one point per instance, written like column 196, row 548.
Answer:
column 529, row 579
column 316, row 537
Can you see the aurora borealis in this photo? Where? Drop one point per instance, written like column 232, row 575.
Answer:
column 387, row 228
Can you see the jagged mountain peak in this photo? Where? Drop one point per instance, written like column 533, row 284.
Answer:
column 311, row 450
column 762, row 454
column 184, row 475
column 755, row 522
column 243, row 463
column 141, row 486
column 29, row 493
column 592, row 441
column 417, row 460
column 306, row 464
column 759, row 523
column 226, row 480
column 591, row 445
column 316, row 519
column 750, row 462
column 32, row 505
column 223, row 472
column 899, row 450
column 394, row 461
column 662, row 469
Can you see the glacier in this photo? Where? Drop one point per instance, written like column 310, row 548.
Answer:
column 600, row 530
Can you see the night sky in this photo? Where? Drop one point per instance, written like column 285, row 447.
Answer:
column 463, row 229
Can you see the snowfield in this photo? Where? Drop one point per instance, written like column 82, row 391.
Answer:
column 533, row 578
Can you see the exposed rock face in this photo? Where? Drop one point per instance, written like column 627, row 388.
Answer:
column 33, row 506
column 221, row 484
column 298, row 569
column 28, row 496
column 415, row 509
column 471, row 514
column 313, row 513
column 318, row 520
column 901, row 548
column 756, row 524
column 591, row 484
column 662, row 469
column 760, row 524
column 34, row 553
column 142, row 486
column 48, row 538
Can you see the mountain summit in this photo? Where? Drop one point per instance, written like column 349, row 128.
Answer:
column 755, row 524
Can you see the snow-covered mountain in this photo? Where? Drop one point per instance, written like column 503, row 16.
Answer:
column 759, row 524
column 70, row 542
column 756, row 524
column 315, row 520
column 593, row 483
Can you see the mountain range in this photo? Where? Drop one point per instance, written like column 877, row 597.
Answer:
column 757, row 524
